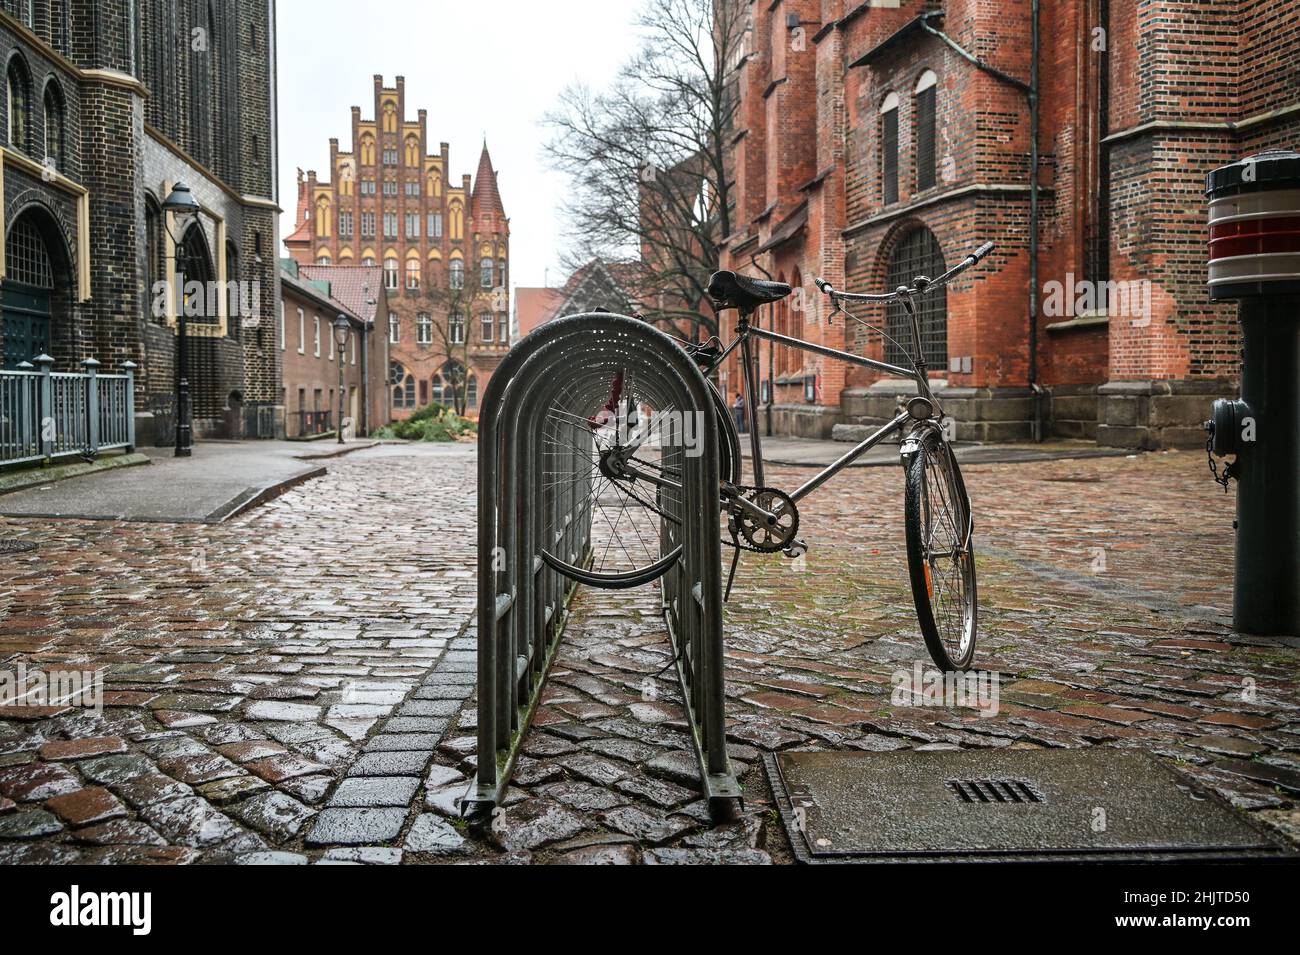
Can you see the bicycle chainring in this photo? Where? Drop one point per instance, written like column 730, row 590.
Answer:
column 751, row 534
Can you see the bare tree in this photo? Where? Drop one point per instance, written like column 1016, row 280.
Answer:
column 453, row 347
column 648, row 157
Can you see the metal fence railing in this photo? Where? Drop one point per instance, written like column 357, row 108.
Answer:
column 46, row 415
column 543, row 525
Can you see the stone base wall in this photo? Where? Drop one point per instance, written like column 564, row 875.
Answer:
column 801, row 421
column 980, row 414
column 1072, row 412
column 1149, row 415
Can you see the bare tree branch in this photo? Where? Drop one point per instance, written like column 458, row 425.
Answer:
column 648, row 157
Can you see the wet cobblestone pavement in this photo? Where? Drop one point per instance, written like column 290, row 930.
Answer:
column 292, row 686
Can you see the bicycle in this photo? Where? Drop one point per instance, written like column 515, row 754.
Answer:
column 623, row 454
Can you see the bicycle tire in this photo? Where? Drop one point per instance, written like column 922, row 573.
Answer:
column 932, row 465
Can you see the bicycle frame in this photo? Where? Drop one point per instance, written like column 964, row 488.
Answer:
column 745, row 332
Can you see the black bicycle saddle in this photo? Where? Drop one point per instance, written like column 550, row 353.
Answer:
column 729, row 290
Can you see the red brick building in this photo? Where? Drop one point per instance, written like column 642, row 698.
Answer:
column 361, row 291
column 875, row 141
column 312, row 298
column 442, row 248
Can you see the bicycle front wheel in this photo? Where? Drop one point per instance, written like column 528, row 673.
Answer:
column 940, row 554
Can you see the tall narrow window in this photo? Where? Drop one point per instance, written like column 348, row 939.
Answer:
column 154, row 268
column 456, row 328
column 485, row 272
column 488, row 325
column 926, row 88
column 390, row 272
column 17, row 104
column 889, row 149
column 1096, row 250
column 394, row 328
column 53, row 127
column 917, row 253
column 302, row 332
column 412, row 273
column 424, row 329
column 457, row 273
column 316, row 325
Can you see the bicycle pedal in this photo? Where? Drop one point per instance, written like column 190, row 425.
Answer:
column 796, row 550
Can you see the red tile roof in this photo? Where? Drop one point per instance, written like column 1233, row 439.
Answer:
column 358, row 287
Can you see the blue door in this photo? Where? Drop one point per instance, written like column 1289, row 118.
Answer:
column 26, row 322
column 25, row 295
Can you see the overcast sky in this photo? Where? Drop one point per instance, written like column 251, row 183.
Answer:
column 486, row 67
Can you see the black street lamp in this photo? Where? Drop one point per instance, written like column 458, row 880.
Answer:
column 341, row 329
column 184, row 212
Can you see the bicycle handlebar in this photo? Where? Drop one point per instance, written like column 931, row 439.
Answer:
column 920, row 284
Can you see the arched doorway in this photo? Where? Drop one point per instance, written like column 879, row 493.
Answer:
column 31, row 290
column 917, row 253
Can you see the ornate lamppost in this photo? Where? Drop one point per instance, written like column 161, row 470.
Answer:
column 341, row 329
column 184, row 213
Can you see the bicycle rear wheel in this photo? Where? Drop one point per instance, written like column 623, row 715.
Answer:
column 940, row 554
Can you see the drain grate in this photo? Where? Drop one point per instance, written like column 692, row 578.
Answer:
column 994, row 790
column 15, row 546
column 1022, row 805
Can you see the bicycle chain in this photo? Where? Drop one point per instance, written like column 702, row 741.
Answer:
column 737, row 540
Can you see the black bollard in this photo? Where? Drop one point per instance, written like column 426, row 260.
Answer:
column 1255, row 260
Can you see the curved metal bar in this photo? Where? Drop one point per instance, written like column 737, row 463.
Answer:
column 645, row 575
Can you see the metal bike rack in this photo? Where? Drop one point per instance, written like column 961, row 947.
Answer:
column 523, row 601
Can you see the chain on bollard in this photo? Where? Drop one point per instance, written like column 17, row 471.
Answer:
column 573, row 490
column 1220, row 479
column 1254, row 259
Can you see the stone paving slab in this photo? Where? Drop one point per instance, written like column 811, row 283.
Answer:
column 220, row 480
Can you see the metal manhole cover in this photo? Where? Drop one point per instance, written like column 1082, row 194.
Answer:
column 1048, row 805
column 15, row 546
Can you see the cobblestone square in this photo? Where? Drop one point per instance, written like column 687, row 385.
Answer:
column 296, row 684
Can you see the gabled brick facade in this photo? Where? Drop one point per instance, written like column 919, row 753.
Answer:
column 390, row 201
column 1136, row 103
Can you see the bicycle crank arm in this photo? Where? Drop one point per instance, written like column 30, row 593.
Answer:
column 753, row 510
